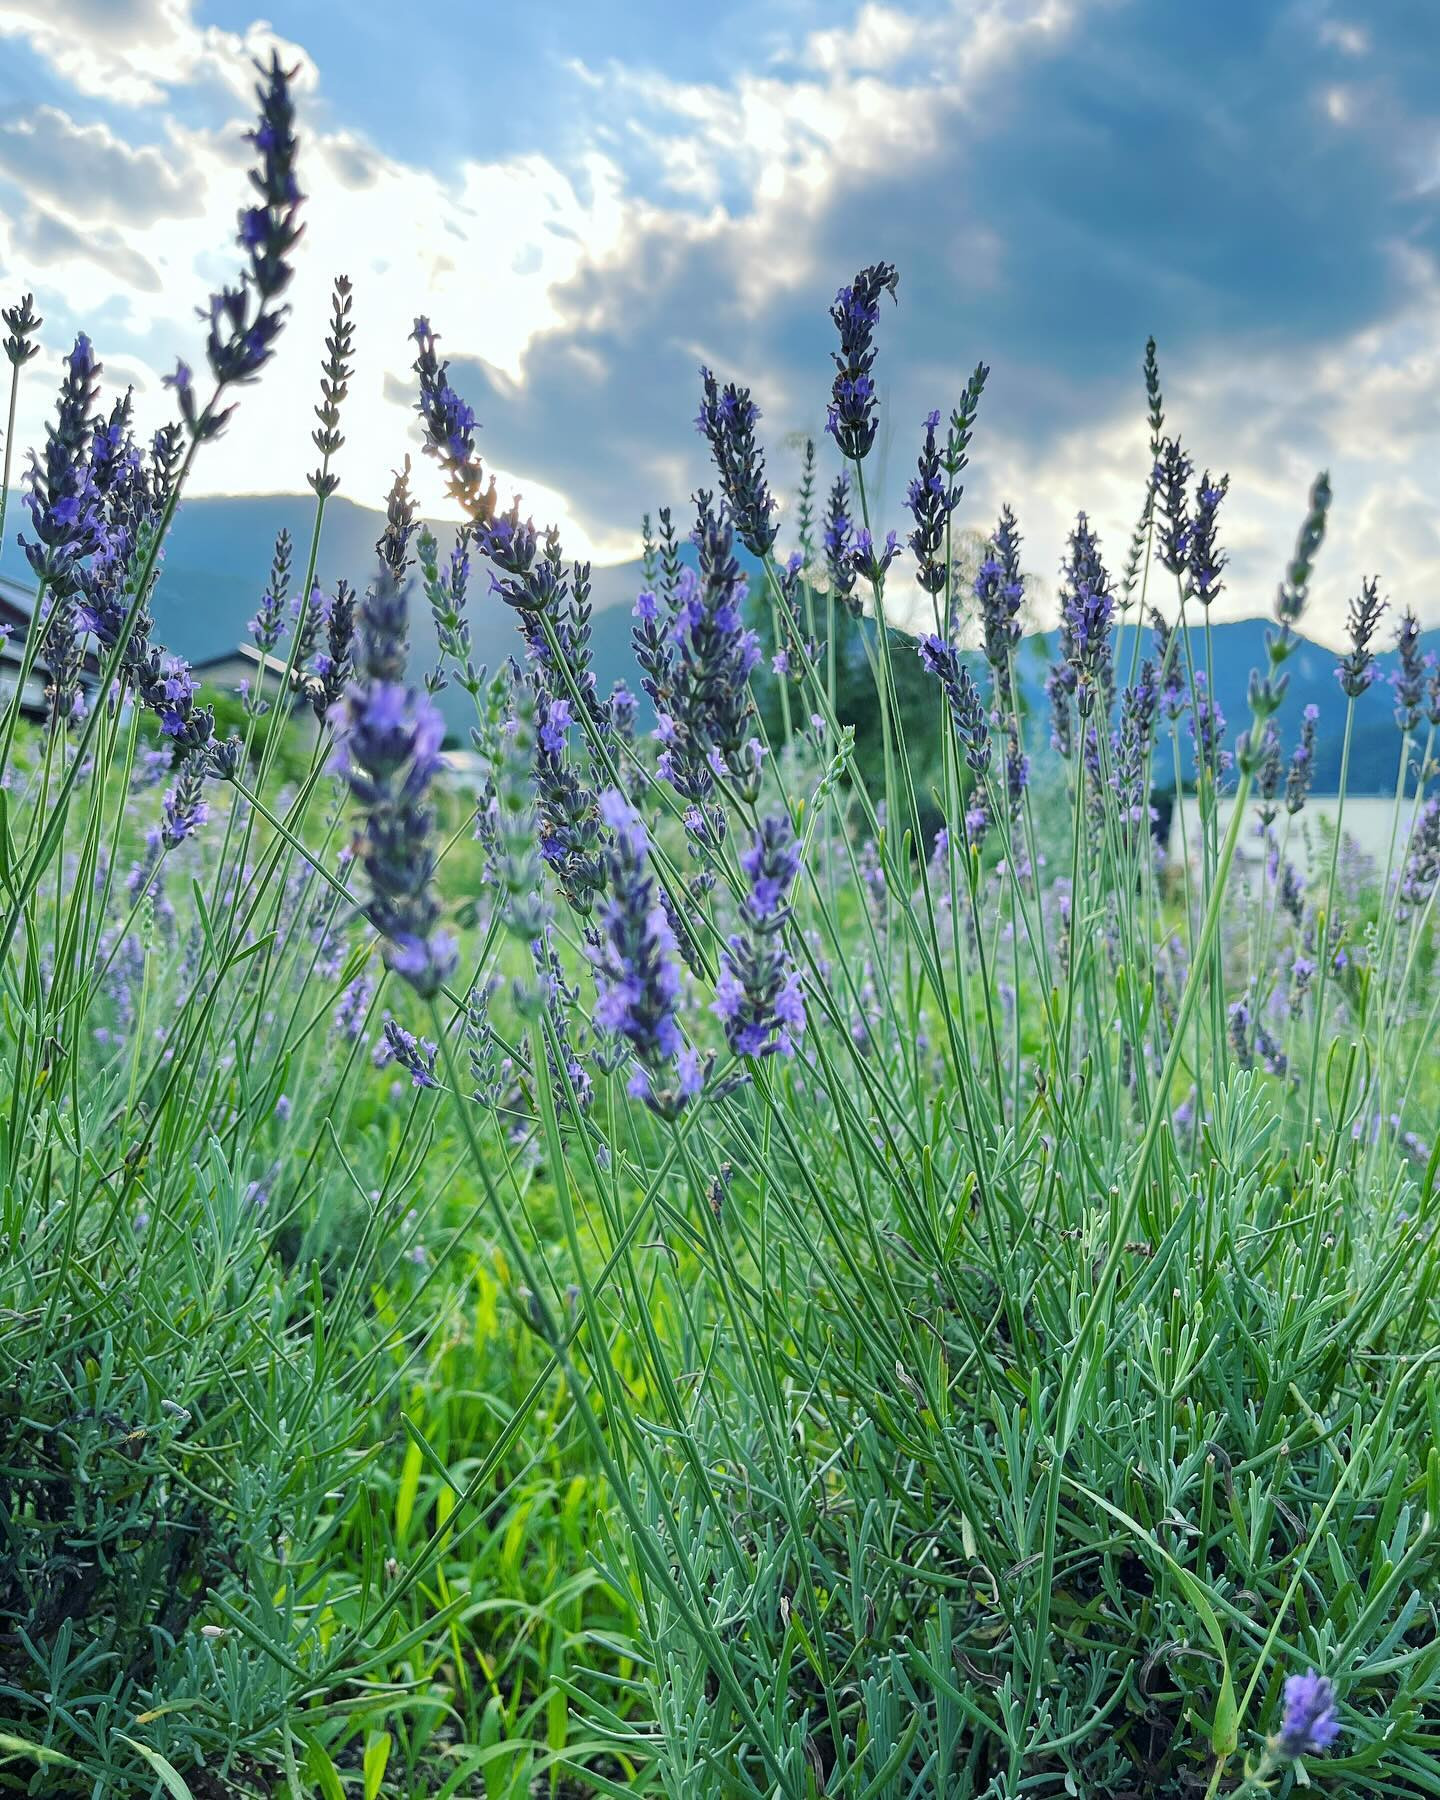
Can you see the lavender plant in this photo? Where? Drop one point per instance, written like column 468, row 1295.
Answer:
column 712, row 1268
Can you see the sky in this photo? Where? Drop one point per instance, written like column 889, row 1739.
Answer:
column 590, row 198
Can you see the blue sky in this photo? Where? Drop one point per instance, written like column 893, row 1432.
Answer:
column 590, row 198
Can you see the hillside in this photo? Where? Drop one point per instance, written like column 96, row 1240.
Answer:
column 217, row 562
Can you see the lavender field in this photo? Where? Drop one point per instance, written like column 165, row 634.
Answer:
column 848, row 1209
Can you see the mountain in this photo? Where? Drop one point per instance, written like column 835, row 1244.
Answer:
column 217, row 563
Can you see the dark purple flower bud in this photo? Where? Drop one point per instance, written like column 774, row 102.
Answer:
column 707, row 734
column 268, row 625
column 1408, row 680
column 931, row 500
column 335, row 373
column 837, row 539
column 1205, row 559
column 1170, row 480
column 166, row 684
column 1131, row 744
column 244, row 321
column 1087, row 607
column 568, row 812
column 22, row 323
column 1356, row 671
column 332, row 668
column 727, row 420
column 533, row 577
column 851, row 420
column 393, row 544
column 999, row 594
column 1310, row 1723
column 758, row 994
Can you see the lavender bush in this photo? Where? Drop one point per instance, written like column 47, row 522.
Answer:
column 684, row 1276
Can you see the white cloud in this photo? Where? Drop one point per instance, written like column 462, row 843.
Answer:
column 133, row 51
column 87, row 172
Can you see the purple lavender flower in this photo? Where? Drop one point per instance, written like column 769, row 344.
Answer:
column 1205, row 560
column 727, row 421
column 244, row 321
column 1169, row 482
column 335, row 373
column 186, row 810
column 59, row 486
column 1422, row 862
column 22, row 323
column 1310, row 1723
column 1302, row 762
column 636, row 974
column 450, row 428
column 168, row 687
column 851, row 418
column 1131, row 743
column 268, row 625
column 758, row 994
column 837, row 539
column 348, row 1019
column 967, row 710
column 1239, row 1032
column 1408, row 680
column 1087, row 607
column 708, row 732
column 1269, row 773
column 447, row 589
column 567, row 809
column 999, row 592
column 870, row 563
column 387, row 750
column 415, row 1055
column 1207, row 727
column 333, row 667
column 931, row 500
column 1356, row 671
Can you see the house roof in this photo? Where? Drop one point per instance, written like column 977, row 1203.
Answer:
column 244, row 653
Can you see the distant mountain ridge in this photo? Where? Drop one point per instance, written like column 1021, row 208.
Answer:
column 217, row 562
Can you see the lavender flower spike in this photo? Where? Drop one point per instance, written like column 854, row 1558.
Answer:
column 931, row 501
column 1309, row 1724
column 636, row 972
column 387, row 750
column 758, row 994
column 245, row 320
column 60, row 488
column 856, row 313
column 727, row 420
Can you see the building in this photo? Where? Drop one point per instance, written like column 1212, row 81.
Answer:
column 17, row 602
column 246, row 669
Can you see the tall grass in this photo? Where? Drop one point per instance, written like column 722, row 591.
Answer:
column 678, row 1278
